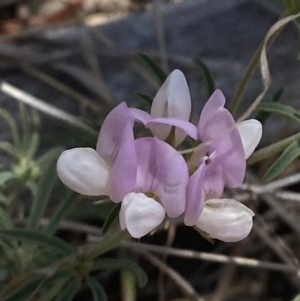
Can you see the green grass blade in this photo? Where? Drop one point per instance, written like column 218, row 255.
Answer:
column 207, row 77
column 144, row 97
column 48, row 157
column 122, row 264
column 41, row 199
column 97, row 289
column 12, row 126
column 54, row 243
column 63, row 209
column 111, row 219
column 9, row 149
column 287, row 157
column 263, row 116
column 280, row 109
column 6, row 176
column 5, row 220
column 297, row 298
column 59, row 282
column 70, row 290
column 153, row 67
column 26, row 290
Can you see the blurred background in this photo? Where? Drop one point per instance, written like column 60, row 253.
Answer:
column 80, row 56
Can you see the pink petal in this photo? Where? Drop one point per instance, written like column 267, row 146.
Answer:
column 213, row 182
column 112, row 132
column 218, row 130
column 215, row 102
column 124, row 169
column 140, row 214
column 162, row 171
column 183, row 125
column 140, row 116
column 195, row 196
column 84, row 171
column 226, row 220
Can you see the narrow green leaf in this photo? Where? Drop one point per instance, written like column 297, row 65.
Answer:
column 111, row 219
column 59, row 282
column 5, row 176
column 26, row 290
column 207, row 77
column 7, row 250
column 297, row 298
column 25, row 127
column 287, row 157
column 97, row 289
column 50, row 156
column 33, row 145
column 144, row 97
column 280, row 109
column 41, row 199
column 263, row 116
column 70, row 290
column 272, row 149
column 12, row 126
column 32, row 186
column 37, row 237
column 9, row 149
column 5, row 273
column 5, row 220
column 120, row 264
column 36, row 119
column 153, row 67
column 63, row 209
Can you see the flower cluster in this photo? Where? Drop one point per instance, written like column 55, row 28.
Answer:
column 152, row 180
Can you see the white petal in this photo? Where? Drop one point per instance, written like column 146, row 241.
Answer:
column 172, row 100
column 226, row 219
column 84, row 171
column 250, row 132
column 140, row 214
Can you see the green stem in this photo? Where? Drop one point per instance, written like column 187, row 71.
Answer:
column 271, row 150
column 105, row 245
column 252, row 66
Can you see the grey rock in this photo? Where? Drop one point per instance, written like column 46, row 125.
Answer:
column 224, row 34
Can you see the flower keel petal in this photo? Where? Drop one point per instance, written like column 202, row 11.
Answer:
column 226, row 220
column 84, row 171
column 140, row 214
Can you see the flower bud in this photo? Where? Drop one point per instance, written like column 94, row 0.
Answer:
column 172, row 100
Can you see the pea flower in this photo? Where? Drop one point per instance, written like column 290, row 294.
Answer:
column 147, row 175
column 171, row 107
column 221, row 161
column 86, row 170
column 160, row 186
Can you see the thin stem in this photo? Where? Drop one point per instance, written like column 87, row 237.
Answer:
column 105, row 245
column 161, row 39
